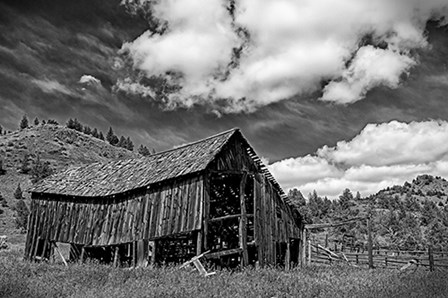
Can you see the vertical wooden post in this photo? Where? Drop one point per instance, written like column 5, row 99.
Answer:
column 304, row 239
column 153, row 254
column 288, row 255
column 199, row 242
column 431, row 258
column 134, row 254
column 206, row 198
column 326, row 240
column 116, row 256
column 369, row 244
column 309, row 251
column 243, row 223
column 83, row 251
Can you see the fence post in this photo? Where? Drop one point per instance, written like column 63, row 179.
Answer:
column 431, row 258
column 369, row 244
column 309, row 251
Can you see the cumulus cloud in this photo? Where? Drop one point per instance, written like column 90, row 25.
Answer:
column 371, row 67
column 251, row 53
column 89, row 80
column 380, row 155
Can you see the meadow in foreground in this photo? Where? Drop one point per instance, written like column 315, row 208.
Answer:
column 23, row 279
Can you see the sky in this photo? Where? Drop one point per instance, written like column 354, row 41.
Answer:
column 332, row 94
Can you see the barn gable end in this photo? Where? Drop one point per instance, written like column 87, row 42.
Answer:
column 167, row 207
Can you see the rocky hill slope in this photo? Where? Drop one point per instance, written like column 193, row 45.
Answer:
column 424, row 187
column 55, row 144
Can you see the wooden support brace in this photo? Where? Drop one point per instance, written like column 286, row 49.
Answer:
column 60, row 254
column 197, row 263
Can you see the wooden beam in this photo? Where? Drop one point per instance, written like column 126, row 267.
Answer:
column 332, row 225
column 229, row 217
column 219, row 254
column 243, row 223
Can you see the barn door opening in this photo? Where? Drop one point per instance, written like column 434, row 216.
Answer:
column 231, row 220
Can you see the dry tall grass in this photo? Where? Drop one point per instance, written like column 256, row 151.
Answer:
column 23, row 279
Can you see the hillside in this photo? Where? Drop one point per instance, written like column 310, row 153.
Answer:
column 411, row 216
column 424, row 187
column 55, row 144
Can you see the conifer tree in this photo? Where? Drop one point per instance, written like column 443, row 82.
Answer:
column 143, row 150
column 22, row 213
column 95, row 133
column 101, row 136
column 70, row 123
column 87, row 130
column 109, row 135
column 36, row 121
column 24, row 122
column 129, row 144
column 18, row 195
column 122, row 142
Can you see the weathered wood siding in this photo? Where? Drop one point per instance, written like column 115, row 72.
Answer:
column 234, row 156
column 166, row 210
column 274, row 220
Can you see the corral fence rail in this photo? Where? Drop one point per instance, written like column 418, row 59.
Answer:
column 382, row 258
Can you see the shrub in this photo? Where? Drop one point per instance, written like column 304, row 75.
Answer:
column 24, row 165
column 40, row 170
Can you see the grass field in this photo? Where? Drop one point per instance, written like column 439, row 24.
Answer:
column 23, row 279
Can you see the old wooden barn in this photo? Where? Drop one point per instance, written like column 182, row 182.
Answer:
column 211, row 195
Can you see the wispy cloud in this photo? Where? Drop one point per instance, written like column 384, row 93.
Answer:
column 52, row 86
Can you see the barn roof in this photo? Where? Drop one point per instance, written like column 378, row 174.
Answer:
column 105, row 179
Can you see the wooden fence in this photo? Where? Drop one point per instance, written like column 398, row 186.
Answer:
column 382, row 258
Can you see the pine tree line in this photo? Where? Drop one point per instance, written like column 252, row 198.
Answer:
column 398, row 222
